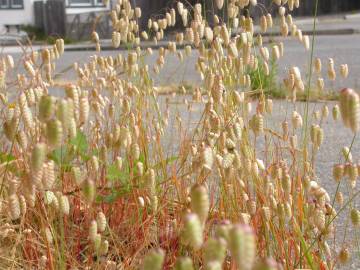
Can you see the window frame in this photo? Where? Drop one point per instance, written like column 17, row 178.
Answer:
column 11, row 6
column 90, row 4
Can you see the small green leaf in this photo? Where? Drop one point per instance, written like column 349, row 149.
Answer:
column 80, row 142
column 113, row 173
column 58, row 155
column 5, row 157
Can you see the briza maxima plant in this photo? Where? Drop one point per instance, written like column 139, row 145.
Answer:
column 87, row 181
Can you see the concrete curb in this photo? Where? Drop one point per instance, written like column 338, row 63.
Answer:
column 352, row 16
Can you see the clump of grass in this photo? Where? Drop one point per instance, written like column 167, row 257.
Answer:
column 36, row 34
column 110, row 177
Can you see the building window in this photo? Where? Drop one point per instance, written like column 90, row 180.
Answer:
column 86, row 3
column 11, row 4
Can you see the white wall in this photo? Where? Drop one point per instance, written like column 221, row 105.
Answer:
column 26, row 15
column 77, row 10
column 17, row 16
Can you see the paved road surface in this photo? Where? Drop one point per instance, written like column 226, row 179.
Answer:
column 343, row 48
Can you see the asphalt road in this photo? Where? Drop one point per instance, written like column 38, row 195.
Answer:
column 342, row 48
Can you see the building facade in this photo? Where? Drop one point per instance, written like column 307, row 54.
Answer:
column 21, row 12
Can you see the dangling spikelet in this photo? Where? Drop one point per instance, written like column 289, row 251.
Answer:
column 318, row 65
column 77, row 175
column 344, row 256
column 344, row 70
column 10, row 128
column 104, row 247
column 350, row 108
column 200, row 202
column 93, row 230
column 150, row 182
column 29, row 68
column 116, row 39
column 38, row 157
column 355, row 217
column 257, row 124
column 192, row 233
column 89, row 190
column 23, row 205
column 46, row 107
column 14, row 206
column 219, row 4
column 63, row 113
column 306, row 42
column 338, row 172
column 242, row 246
column 263, row 23
column 336, row 112
column 48, row 175
column 54, row 133
column 339, row 198
column 135, row 151
column 10, row 61
column 64, row 205
column 154, row 260
column 319, row 219
column 48, row 235
column 72, row 127
column 49, row 197
column 60, row 45
column 346, row 154
column 184, row 263
column 296, row 120
column 101, row 221
column 97, row 243
column 95, row 37
column 22, row 139
column 269, row 20
column 215, row 250
column 84, row 110
column 331, row 70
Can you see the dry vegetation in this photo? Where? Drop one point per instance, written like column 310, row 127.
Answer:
column 87, row 182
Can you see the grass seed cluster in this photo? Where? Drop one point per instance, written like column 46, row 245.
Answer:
column 87, row 181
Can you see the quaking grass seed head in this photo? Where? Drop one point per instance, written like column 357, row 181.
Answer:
column 192, row 233
column 64, row 205
column 344, row 255
column 350, row 108
column 154, row 260
column 89, row 190
column 338, row 172
column 38, row 156
column 93, row 230
column 14, row 206
column 54, row 132
column 184, row 263
column 355, row 217
column 214, row 250
column 101, row 221
column 242, row 246
column 46, row 107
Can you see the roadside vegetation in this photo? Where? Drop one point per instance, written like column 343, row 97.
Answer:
column 108, row 176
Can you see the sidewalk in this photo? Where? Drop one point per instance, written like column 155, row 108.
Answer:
column 12, row 38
